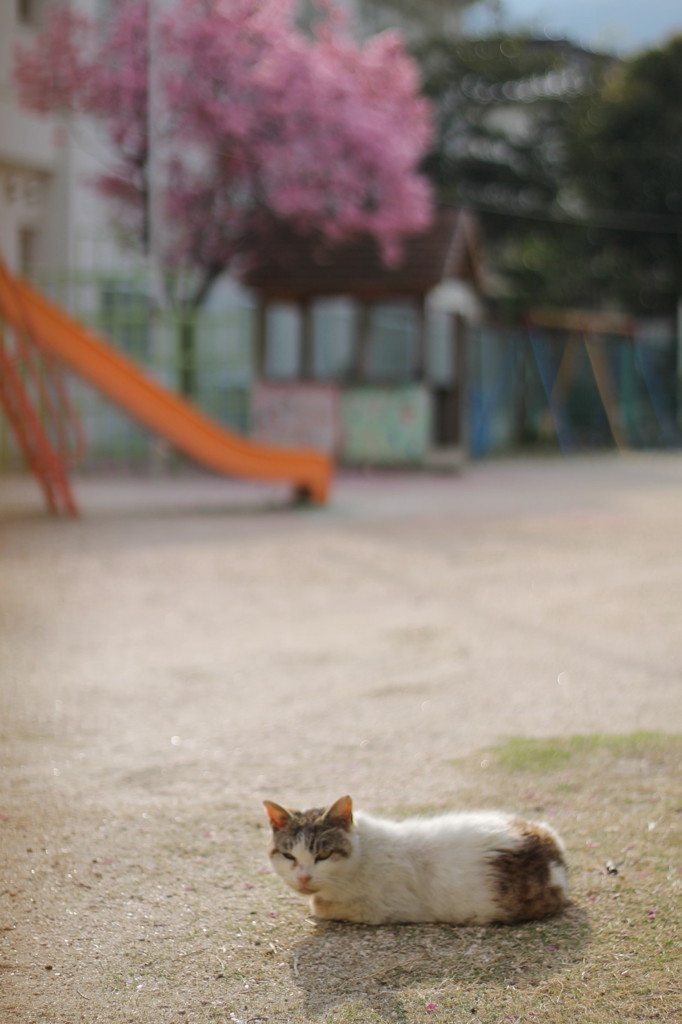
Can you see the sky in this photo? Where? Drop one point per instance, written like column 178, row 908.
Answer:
column 622, row 26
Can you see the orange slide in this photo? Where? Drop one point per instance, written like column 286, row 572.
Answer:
column 53, row 330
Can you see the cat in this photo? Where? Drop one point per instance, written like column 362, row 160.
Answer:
column 469, row 868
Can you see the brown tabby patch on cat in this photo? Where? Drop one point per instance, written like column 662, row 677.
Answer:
column 315, row 830
column 523, row 877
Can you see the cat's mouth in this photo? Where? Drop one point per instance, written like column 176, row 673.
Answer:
column 306, row 890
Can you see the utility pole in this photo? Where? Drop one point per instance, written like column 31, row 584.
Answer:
column 154, row 227
column 158, row 300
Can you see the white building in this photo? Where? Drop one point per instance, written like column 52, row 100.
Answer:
column 416, row 19
column 49, row 214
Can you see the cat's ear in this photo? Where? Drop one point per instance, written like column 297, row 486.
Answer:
column 279, row 816
column 341, row 813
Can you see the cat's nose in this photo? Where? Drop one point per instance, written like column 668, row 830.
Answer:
column 304, row 879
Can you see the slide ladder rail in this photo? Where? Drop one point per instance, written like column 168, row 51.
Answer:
column 44, row 460
column 40, row 411
column 59, row 414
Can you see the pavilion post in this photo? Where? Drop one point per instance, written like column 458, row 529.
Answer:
column 261, row 354
column 361, row 341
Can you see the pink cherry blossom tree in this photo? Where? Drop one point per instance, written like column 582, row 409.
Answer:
column 253, row 122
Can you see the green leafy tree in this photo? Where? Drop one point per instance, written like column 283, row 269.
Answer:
column 503, row 108
column 626, row 161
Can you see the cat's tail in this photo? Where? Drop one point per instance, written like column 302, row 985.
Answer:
column 530, row 879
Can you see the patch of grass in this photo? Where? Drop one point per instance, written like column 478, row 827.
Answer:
column 524, row 754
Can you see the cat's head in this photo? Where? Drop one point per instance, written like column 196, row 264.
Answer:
column 309, row 849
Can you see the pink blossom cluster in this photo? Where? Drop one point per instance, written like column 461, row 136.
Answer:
column 254, row 122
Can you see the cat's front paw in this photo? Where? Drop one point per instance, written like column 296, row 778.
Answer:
column 321, row 907
column 327, row 910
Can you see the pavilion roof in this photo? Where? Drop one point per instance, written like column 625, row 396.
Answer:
column 298, row 270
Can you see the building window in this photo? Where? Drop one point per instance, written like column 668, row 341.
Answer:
column 26, row 255
column 28, row 12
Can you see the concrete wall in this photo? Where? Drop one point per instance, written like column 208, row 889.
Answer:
column 370, row 425
column 386, row 425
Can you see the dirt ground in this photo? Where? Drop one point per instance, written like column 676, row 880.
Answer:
column 193, row 645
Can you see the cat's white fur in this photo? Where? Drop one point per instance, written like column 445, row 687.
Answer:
column 415, row 870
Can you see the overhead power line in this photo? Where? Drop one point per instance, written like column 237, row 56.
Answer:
column 610, row 220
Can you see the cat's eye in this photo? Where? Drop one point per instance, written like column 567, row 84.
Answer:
column 289, row 856
column 324, row 856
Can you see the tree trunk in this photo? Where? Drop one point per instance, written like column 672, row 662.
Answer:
column 187, row 354
column 187, row 333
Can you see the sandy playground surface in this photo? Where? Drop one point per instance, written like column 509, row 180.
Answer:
column 193, row 645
